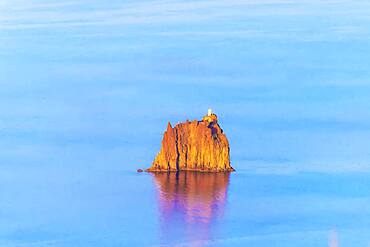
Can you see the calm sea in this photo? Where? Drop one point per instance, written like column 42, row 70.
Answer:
column 56, row 207
column 87, row 88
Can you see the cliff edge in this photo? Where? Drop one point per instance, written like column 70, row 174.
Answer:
column 194, row 146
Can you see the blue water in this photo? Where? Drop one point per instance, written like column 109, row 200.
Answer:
column 87, row 88
column 56, row 207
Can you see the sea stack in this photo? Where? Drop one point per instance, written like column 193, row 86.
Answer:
column 194, row 146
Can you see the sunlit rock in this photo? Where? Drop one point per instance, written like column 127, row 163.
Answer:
column 194, row 146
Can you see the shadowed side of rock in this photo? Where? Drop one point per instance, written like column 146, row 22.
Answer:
column 194, row 146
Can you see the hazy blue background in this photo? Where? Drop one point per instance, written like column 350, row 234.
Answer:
column 87, row 88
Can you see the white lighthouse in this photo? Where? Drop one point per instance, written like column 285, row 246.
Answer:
column 210, row 117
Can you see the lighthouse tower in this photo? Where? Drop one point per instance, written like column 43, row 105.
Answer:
column 210, row 117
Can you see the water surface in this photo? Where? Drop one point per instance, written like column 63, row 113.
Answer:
column 100, row 208
column 87, row 88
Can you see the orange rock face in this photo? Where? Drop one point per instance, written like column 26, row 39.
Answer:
column 194, row 146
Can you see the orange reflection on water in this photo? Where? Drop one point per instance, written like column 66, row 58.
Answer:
column 190, row 203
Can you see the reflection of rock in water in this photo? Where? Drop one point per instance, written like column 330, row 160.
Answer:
column 190, row 204
column 333, row 240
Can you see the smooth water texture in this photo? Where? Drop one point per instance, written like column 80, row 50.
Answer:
column 91, row 208
column 87, row 88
